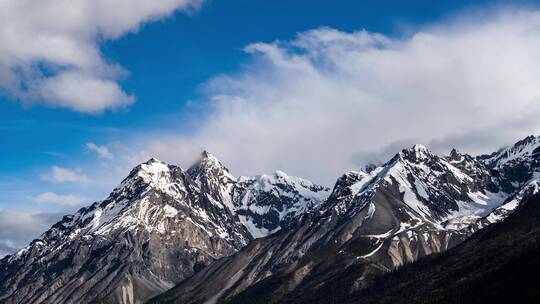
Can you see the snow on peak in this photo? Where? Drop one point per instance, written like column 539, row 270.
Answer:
column 207, row 155
column 266, row 182
column 152, row 172
column 209, row 159
column 156, row 175
column 527, row 147
column 455, row 157
column 416, row 153
column 208, row 164
column 268, row 202
column 156, row 195
column 159, row 174
column 152, row 160
column 280, row 174
column 455, row 153
column 420, row 151
column 154, row 166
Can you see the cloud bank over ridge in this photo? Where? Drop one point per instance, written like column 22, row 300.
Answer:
column 329, row 101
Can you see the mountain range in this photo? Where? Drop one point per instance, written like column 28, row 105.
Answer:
column 201, row 235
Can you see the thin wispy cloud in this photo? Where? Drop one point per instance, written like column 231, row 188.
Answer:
column 101, row 151
column 62, row 199
column 64, row 175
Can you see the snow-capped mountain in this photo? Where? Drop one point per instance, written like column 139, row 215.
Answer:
column 264, row 203
column 223, row 237
column 158, row 227
column 415, row 204
column 267, row 203
column 497, row 264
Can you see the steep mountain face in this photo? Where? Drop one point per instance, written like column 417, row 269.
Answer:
column 269, row 238
column 154, row 230
column 159, row 226
column 495, row 265
column 263, row 203
column 414, row 205
column 268, row 203
column 515, row 165
column 498, row 264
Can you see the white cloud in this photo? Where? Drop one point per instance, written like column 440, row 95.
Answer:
column 64, row 175
column 67, row 199
column 20, row 226
column 102, row 151
column 83, row 93
column 329, row 101
column 50, row 49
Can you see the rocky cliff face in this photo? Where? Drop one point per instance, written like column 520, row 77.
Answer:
column 159, row 226
column 497, row 264
column 268, row 237
column 416, row 204
column 268, row 203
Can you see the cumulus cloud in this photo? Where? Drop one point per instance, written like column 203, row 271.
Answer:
column 50, row 49
column 102, row 151
column 64, row 175
column 62, row 199
column 20, row 226
column 330, row 101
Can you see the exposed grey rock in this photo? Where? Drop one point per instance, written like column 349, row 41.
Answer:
column 159, row 226
column 414, row 205
column 271, row 233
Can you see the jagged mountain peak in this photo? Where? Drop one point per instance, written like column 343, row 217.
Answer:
column 166, row 221
column 158, row 227
column 152, row 160
column 416, row 204
column 269, row 202
column 349, row 184
column 525, row 148
column 151, row 167
column 155, row 229
column 208, row 165
column 156, row 167
column 169, row 179
column 433, row 189
column 420, row 147
column 531, row 139
column 214, row 180
column 447, row 192
column 205, row 154
column 455, row 155
column 209, row 159
column 266, row 181
column 416, row 153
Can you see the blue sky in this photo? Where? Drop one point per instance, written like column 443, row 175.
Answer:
column 167, row 62
column 172, row 66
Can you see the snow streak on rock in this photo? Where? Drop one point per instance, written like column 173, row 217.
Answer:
column 158, row 227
